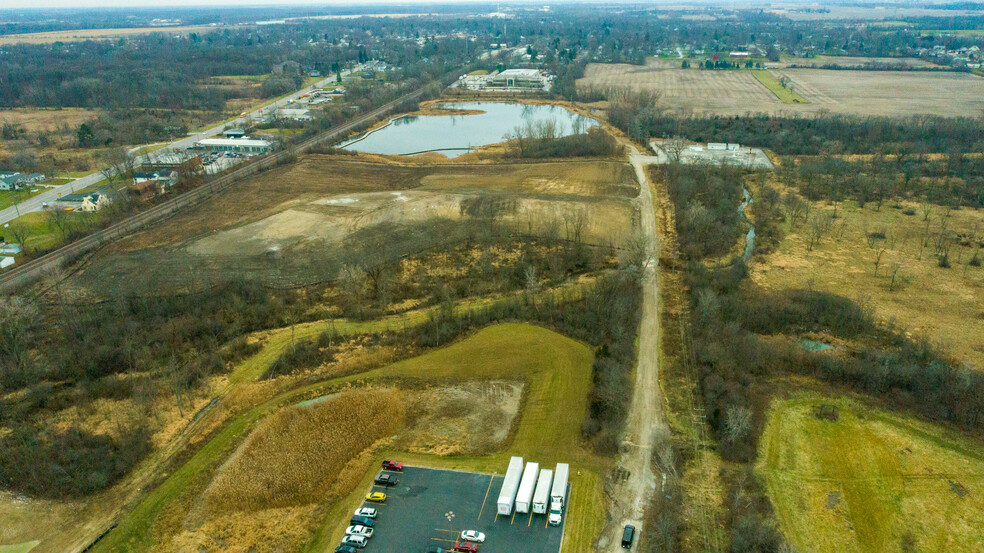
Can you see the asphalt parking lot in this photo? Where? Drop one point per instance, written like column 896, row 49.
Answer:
column 415, row 515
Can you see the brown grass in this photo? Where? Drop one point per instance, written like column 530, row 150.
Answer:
column 37, row 119
column 101, row 34
column 296, row 455
column 945, row 305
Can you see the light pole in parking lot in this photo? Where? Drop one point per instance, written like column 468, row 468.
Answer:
column 450, row 516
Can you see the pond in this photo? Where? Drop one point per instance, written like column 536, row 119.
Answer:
column 453, row 135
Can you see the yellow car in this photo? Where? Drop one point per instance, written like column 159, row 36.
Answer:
column 377, row 497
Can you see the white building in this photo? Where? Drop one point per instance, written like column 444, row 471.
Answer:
column 90, row 206
column 6, row 262
column 239, row 145
column 295, row 114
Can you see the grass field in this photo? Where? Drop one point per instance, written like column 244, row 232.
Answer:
column 736, row 92
column 101, row 34
column 870, row 480
column 11, row 197
column 19, row 547
column 945, row 305
column 785, row 94
column 557, row 371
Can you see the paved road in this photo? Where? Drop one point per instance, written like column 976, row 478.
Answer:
column 51, row 195
column 632, row 495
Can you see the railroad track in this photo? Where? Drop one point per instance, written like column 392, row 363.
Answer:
column 24, row 274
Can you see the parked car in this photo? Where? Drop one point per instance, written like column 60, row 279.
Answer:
column 365, row 512
column 473, row 536
column 465, row 546
column 385, row 479
column 363, row 520
column 627, row 536
column 376, row 497
column 359, row 530
column 346, row 549
column 392, row 465
column 355, row 541
column 434, row 549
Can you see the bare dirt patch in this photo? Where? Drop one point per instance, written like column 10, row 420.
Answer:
column 444, row 426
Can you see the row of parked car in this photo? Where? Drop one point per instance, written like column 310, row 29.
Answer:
column 363, row 522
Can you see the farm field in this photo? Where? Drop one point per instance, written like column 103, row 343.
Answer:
column 556, row 372
column 100, row 34
column 870, row 480
column 855, row 61
column 945, row 305
column 737, row 92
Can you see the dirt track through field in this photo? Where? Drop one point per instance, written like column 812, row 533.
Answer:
column 632, row 494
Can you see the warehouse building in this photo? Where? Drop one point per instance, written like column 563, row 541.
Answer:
column 237, row 145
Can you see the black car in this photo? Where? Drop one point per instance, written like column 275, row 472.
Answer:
column 434, row 549
column 364, row 521
column 627, row 536
column 386, row 479
column 346, row 549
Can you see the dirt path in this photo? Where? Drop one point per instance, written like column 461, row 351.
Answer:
column 633, row 492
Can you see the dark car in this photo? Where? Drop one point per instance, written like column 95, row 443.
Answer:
column 385, row 479
column 392, row 465
column 627, row 536
column 434, row 549
column 465, row 546
column 365, row 521
column 346, row 549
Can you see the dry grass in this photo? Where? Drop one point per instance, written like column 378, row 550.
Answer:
column 295, row 455
column 862, row 483
column 76, row 35
column 37, row 119
column 945, row 305
column 736, row 92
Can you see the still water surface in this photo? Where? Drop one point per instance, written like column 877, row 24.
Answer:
column 453, row 135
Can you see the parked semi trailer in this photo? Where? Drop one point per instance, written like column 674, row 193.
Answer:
column 524, row 497
column 541, row 497
column 558, row 494
column 510, row 483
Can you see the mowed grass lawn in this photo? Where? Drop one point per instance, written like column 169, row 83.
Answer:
column 866, row 481
column 557, row 371
column 785, row 94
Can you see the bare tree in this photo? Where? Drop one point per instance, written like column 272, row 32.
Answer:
column 878, row 258
column 896, row 272
column 737, row 422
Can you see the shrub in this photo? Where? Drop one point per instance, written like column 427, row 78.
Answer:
column 67, row 463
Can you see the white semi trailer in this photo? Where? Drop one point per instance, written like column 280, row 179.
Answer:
column 510, row 483
column 541, row 497
column 558, row 494
column 524, row 497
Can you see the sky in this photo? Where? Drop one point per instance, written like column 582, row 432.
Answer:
column 14, row 4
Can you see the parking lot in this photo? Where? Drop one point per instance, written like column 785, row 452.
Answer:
column 415, row 515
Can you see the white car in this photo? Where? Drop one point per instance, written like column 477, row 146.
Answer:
column 367, row 512
column 473, row 536
column 354, row 540
column 359, row 530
